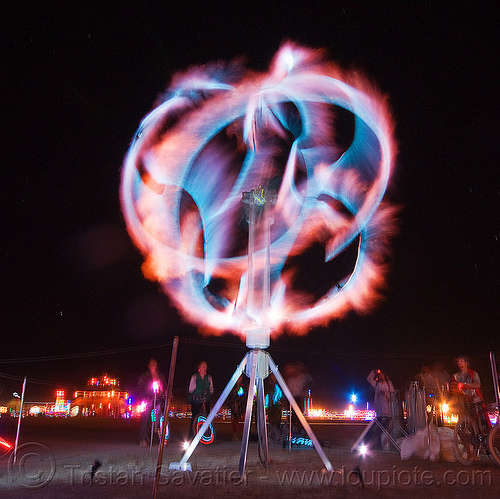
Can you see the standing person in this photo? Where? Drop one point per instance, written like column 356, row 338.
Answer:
column 201, row 387
column 467, row 381
column 428, row 381
column 384, row 392
column 384, row 398
column 237, row 399
column 298, row 381
column 443, row 382
column 274, row 403
column 150, row 382
column 443, row 378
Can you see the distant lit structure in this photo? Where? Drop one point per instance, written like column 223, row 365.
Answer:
column 101, row 398
column 308, row 403
column 350, row 413
column 103, row 381
column 35, row 410
column 58, row 407
column 62, row 405
column 319, row 414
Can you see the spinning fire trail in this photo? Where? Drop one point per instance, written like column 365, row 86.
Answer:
column 324, row 147
column 233, row 177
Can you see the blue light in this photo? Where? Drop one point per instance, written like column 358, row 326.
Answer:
column 278, row 393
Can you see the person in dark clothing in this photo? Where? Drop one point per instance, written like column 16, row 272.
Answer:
column 151, row 382
column 237, row 401
column 201, row 387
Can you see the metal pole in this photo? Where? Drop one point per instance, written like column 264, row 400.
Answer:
column 248, row 414
column 266, row 298
column 19, row 420
column 169, row 397
column 261, row 422
column 251, row 250
column 494, row 373
column 153, row 419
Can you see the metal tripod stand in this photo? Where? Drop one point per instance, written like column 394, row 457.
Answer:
column 257, row 362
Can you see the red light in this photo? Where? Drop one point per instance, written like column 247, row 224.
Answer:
column 4, row 443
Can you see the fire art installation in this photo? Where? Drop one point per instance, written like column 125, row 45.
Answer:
column 316, row 141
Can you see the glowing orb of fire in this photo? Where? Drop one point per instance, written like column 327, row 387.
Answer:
column 319, row 140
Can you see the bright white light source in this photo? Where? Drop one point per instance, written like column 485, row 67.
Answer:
column 185, row 445
column 363, row 449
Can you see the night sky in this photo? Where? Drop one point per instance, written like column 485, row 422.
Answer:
column 79, row 77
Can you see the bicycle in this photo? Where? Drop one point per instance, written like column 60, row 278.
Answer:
column 209, row 436
column 474, row 433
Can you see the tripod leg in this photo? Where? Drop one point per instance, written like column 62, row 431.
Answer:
column 248, row 414
column 192, row 446
column 261, row 422
column 301, row 417
column 387, row 433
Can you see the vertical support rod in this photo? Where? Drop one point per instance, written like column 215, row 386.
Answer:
column 251, row 250
column 153, row 420
column 168, row 399
column 266, row 298
column 19, row 420
column 248, row 413
column 301, row 417
column 494, row 373
column 261, row 421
